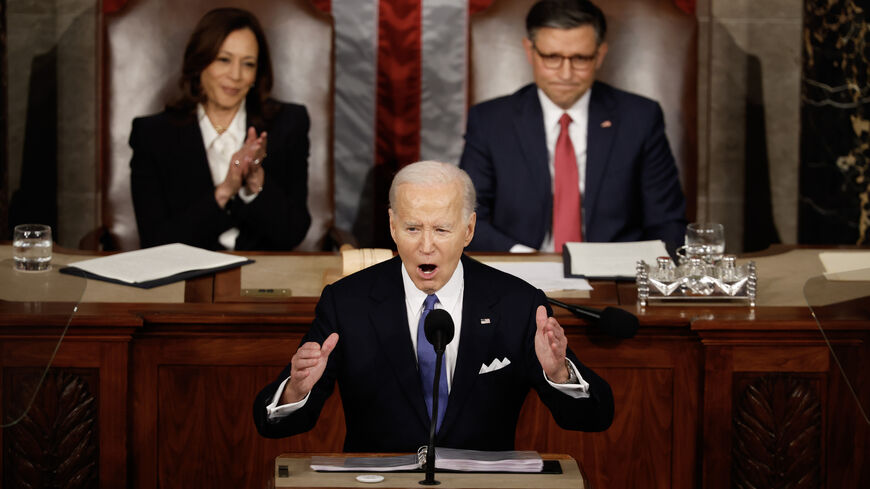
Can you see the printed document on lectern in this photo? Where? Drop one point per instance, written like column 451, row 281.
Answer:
column 610, row 261
column 155, row 266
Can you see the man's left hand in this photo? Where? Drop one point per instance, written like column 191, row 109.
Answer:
column 550, row 346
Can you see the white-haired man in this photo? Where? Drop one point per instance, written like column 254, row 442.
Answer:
column 367, row 336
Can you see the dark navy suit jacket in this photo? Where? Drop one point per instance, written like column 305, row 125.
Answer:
column 376, row 370
column 632, row 189
column 173, row 192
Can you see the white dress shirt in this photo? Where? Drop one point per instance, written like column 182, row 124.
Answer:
column 450, row 299
column 579, row 113
column 219, row 149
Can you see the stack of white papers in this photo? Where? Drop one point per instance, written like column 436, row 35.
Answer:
column 610, row 260
column 365, row 464
column 846, row 265
column 156, row 264
column 445, row 459
column 486, row 461
column 547, row 276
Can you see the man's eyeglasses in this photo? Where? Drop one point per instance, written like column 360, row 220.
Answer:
column 578, row 62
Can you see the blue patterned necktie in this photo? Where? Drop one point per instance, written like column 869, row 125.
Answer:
column 426, row 363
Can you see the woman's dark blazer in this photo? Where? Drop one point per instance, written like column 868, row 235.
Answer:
column 173, row 191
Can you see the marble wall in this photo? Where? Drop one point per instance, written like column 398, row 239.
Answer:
column 835, row 116
column 749, row 118
column 51, row 145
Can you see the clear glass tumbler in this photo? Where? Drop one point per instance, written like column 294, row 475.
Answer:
column 31, row 247
column 705, row 240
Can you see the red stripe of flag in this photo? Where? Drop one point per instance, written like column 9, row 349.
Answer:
column 475, row 6
column 322, row 5
column 688, row 6
column 110, row 6
column 398, row 83
column 397, row 108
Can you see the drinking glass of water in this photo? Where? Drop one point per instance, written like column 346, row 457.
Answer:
column 705, row 240
column 31, row 247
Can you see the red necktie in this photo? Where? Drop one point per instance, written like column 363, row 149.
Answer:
column 566, row 191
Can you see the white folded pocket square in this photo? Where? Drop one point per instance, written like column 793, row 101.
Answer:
column 495, row 365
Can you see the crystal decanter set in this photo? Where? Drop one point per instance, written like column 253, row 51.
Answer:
column 696, row 278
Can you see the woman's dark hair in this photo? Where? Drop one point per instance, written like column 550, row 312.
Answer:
column 202, row 49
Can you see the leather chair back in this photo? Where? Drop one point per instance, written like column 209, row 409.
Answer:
column 652, row 51
column 144, row 46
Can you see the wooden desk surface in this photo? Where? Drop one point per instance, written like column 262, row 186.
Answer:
column 282, row 277
column 301, row 476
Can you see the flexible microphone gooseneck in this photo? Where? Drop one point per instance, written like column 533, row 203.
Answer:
column 439, row 331
column 611, row 321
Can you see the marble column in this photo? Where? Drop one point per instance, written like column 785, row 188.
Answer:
column 51, row 114
column 748, row 119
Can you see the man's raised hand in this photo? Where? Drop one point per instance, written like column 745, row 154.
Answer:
column 551, row 346
column 307, row 367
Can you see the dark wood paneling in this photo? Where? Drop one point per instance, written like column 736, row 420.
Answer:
column 679, row 385
column 640, row 439
column 199, row 289
column 716, row 433
column 778, row 412
column 55, row 442
column 193, row 399
column 653, row 439
column 776, row 431
column 93, row 348
column 847, row 431
column 205, row 417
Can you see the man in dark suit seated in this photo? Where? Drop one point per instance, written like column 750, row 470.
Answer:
column 568, row 158
column 367, row 335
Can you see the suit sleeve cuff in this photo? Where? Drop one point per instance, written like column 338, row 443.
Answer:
column 579, row 389
column 274, row 412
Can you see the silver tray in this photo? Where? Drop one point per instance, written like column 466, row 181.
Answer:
column 694, row 280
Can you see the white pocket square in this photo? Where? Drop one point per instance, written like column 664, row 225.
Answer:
column 495, row 365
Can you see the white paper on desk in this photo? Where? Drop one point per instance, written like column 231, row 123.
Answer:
column 546, row 276
column 613, row 259
column 846, row 265
column 365, row 464
column 156, row 263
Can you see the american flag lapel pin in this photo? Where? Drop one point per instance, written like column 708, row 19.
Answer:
column 485, row 321
column 606, row 123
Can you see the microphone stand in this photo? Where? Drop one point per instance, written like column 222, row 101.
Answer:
column 430, row 450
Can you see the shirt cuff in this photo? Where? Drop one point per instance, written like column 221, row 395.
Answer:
column 578, row 390
column 246, row 196
column 275, row 412
column 521, row 248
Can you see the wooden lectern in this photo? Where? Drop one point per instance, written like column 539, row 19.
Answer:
column 293, row 470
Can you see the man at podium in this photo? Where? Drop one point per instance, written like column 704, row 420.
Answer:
column 367, row 336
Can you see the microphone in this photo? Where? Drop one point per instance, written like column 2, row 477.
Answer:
column 611, row 321
column 439, row 331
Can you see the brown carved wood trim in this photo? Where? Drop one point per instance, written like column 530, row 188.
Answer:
column 56, row 443
column 794, row 359
column 776, row 432
column 4, row 167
